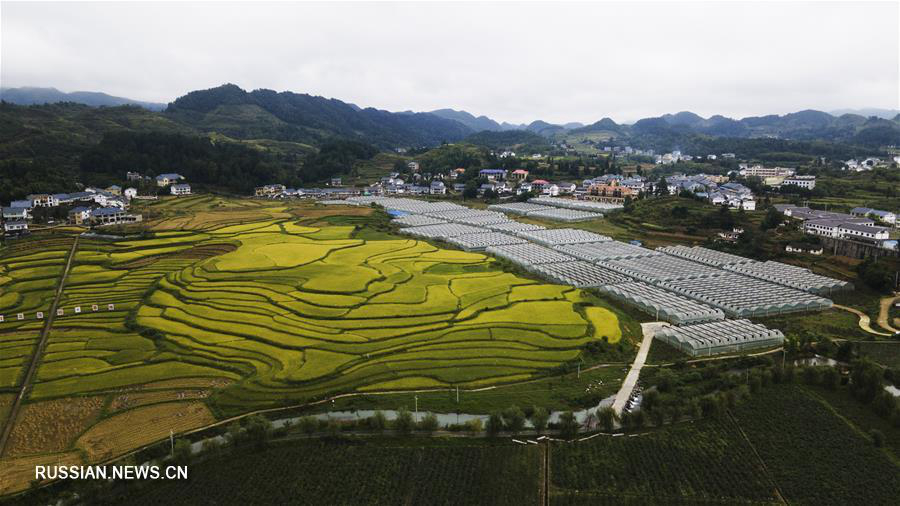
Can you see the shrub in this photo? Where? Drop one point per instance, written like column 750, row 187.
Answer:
column 514, row 419
column 494, row 424
column 429, row 424
column 539, row 417
column 404, row 423
column 606, row 417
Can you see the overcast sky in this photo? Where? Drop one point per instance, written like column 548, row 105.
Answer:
column 512, row 62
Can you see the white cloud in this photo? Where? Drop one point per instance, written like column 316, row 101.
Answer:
column 513, row 62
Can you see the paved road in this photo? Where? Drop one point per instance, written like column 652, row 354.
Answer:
column 38, row 353
column 885, row 311
column 648, row 329
column 865, row 322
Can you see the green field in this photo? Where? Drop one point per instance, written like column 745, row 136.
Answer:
column 814, row 456
column 380, row 471
column 705, row 461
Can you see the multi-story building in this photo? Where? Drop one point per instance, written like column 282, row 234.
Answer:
column 805, row 182
column 180, row 189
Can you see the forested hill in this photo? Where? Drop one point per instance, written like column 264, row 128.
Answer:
column 299, row 117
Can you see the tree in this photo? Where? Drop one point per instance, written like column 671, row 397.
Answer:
column 772, row 220
column 259, row 429
column 877, row 274
column 471, row 190
column 182, row 453
column 514, row 419
column 475, row 426
column 650, row 400
column 662, row 188
column 831, row 378
column 568, row 425
column 658, row 415
column 607, row 417
column 378, row 422
column 539, row 418
column 494, row 424
column 235, row 433
column 638, row 419
column 308, row 425
column 404, row 423
column 429, row 423
column 865, row 380
column 666, row 380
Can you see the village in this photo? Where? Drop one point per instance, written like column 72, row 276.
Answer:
column 92, row 207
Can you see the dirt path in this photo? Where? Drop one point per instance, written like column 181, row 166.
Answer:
column 884, row 314
column 649, row 329
column 38, row 353
column 865, row 322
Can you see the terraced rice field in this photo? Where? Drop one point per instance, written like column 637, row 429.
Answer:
column 238, row 307
column 29, row 272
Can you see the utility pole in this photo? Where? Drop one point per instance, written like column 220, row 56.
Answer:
column 457, row 394
column 417, row 408
column 172, row 441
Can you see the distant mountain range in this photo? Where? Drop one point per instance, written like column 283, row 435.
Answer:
column 33, row 95
column 308, row 119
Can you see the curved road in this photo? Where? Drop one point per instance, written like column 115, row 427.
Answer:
column 884, row 313
column 865, row 322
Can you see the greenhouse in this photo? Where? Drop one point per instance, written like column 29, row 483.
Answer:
column 478, row 242
column 654, row 269
column 455, row 214
column 520, row 208
column 726, row 336
column 580, row 205
column 790, row 275
column 417, row 220
column 513, row 227
column 704, row 255
column 579, row 274
column 482, row 220
column 560, row 236
column 663, row 305
column 743, row 296
column 406, row 205
column 566, row 215
column 442, row 231
column 335, row 202
column 607, row 250
column 528, row 255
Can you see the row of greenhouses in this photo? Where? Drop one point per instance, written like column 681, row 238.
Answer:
column 528, row 254
column 514, row 226
column 546, row 212
column 663, row 305
column 579, row 274
column 442, row 231
column 714, row 338
column 559, row 236
column 606, row 250
column 704, row 255
column 743, row 296
column 579, row 205
column 653, row 269
column 481, row 241
column 790, row 275
column 417, row 220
